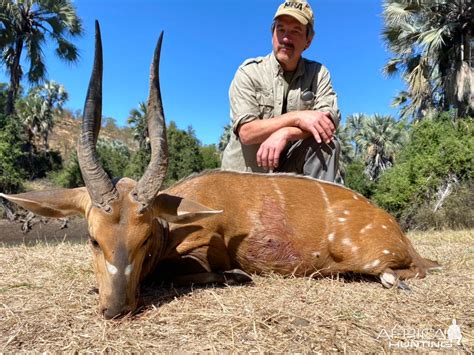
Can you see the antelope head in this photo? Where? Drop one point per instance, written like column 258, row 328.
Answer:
column 126, row 219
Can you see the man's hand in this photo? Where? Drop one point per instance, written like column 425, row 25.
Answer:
column 268, row 155
column 318, row 123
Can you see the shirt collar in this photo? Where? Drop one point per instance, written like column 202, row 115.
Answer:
column 278, row 70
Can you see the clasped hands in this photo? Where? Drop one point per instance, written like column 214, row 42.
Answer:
column 315, row 123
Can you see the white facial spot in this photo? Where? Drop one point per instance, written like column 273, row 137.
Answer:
column 346, row 241
column 386, row 252
column 111, row 268
column 384, row 226
column 341, row 219
column 366, row 228
column 317, row 254
column 128, row 270
column 331, row 237
column 388, row 279
column 346, row 213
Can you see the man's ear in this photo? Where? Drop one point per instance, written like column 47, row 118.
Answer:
column 176, row 209
column 308, row 43
column 53, row 203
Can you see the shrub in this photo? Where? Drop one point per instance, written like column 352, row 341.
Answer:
column 11, row 170
column 357, row 180
column 114, row 157
column 440, row 150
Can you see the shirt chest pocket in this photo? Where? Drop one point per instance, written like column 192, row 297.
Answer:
column 265, row 104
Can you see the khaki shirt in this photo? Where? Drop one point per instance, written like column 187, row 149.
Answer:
column 257, row 92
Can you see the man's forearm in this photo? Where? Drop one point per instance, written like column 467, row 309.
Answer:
column 297, row 124
column 257, row 131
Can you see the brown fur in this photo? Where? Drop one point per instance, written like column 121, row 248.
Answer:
column 223, row 222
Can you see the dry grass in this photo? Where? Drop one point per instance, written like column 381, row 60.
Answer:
column 46, row 304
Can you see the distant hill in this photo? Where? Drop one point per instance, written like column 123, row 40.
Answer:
column 67, row 128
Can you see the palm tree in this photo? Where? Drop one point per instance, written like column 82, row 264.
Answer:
column 24, row 26
column 354, row 124
column 379, row 138
column 432, row 44
column 36, row 112
column 224, row 138
column 345, row 137
column 137, row 118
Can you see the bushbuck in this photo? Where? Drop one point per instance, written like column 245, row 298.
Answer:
column 218, row 226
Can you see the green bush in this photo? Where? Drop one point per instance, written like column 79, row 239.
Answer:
column 138, row 164
column 114, row 157
column 11, row 155
column 439, row 150
column 357, row 180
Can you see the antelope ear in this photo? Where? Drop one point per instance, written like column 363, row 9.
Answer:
column 176, row 209
column 53, row 203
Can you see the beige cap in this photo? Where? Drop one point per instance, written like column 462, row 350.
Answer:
column 299, row 9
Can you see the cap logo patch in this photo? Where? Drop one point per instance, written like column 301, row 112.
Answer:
column 295, row 5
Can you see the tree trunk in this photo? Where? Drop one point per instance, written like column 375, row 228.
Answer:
column 15, row 76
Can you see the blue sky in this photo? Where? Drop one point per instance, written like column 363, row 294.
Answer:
column 205, row 42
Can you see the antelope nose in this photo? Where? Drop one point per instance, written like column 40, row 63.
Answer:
column 110, row 313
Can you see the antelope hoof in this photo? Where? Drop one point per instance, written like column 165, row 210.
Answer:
column 236, row 277
column 403, row 286
column 389, row 280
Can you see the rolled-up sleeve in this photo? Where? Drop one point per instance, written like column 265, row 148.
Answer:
column 326, row 97
column 243, row 101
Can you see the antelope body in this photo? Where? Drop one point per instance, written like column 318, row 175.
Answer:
column 218, row 226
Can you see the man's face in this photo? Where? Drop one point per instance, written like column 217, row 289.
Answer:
column 289, row 41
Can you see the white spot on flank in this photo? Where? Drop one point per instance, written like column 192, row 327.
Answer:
column 366, row 228
column 355, row 248
column 341, row 219
column 355, row 197
column 128, row 270
column 346, row 213
column 384, row 226
column 386, row 252
column 346, row 241
column 372, row 264
column 111, row 268
column 331, row 237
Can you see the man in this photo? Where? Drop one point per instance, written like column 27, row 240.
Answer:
column 284, row 109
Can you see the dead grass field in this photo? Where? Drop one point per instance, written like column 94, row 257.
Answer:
column 47, row 304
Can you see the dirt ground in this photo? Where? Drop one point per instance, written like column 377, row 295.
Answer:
column 48, row 304
column 43, row 230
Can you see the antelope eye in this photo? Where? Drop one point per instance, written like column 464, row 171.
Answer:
column 94, row 242
column 145, row 242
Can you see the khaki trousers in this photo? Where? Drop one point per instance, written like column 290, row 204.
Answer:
column 307, row 157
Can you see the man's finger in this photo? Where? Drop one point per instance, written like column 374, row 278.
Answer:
column 271, row 153
column 264, row 157
column 322, row 132
column 328, row 132
column 316, row 135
